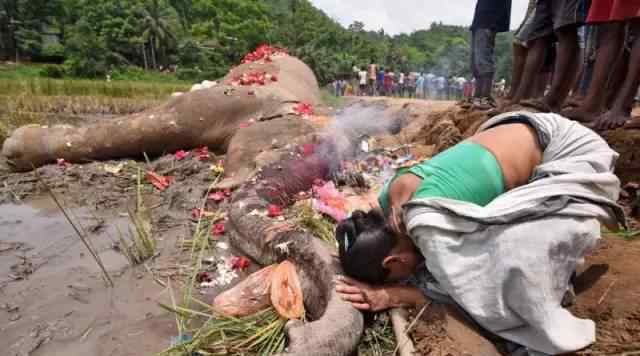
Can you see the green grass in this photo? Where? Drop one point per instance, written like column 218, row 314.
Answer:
column 329, row 99
column 629, row 235
column 318, row 225
column 28, row 98
column 378, row 339
column 85, row 87
column 28, row 79
column 35, row 70
column 20, row 71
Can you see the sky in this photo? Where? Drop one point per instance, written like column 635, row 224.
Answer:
column 398, row 16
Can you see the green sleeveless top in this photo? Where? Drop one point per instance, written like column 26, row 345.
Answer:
column 466, row 172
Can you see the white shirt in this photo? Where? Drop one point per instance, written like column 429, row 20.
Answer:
column 363, row 77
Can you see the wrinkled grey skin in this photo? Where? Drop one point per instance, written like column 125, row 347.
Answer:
column 336, row 326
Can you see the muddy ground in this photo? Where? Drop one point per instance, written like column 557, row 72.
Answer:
column 54, row 300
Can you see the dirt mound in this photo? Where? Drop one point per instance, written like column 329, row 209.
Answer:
column 438, row 127
column 626, row 142
column 608, row 288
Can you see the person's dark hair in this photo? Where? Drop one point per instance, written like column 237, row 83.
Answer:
column 364, row 240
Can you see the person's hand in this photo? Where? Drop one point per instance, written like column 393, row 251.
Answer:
column 361, row 295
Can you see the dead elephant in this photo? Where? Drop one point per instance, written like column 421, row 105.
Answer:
column 210, row 117
column 336, row 327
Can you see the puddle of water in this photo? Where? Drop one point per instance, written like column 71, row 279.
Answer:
column 50, row 242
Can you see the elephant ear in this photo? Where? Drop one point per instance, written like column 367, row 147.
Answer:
column 286, row 292
column 249, row 297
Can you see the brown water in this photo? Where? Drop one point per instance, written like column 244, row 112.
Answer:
column 62, row 305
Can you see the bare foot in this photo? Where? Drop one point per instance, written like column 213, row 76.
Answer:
column 538, row 104
column 579, row 114
column 573, row 102
column 612, row 119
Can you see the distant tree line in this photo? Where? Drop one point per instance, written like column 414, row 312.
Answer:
column 204, row 38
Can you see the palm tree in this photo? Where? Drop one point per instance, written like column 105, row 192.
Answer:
column 159, row 22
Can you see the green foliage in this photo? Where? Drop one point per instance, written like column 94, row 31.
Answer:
column 204, row 38
column 52, row 71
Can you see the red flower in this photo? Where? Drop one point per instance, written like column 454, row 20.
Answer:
column 218, row 229
column 158, row 181
column 202, row 154
column 63, row 163
column 180, row 155
column 308, row 149
column 217, row 196
column 263, row 52
column 273, row 211
column 227, row 192
column 303, row 109
column 274, row 78
column 240, row 263
column 196, row 213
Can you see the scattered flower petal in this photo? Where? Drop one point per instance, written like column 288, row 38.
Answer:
column 158, row 181
column 202, row 154
column 303, row 109
column 218, row 229
column 217, row 196
column 180, row 155
column 197, row 214
column 308, row 149
column 264, row 52
column 274, row 211
column 63, row 163
column 217, row 168
column 239, row 263
column 113, row 169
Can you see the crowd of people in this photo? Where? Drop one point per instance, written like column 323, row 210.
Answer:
column 579, row 58
column 405, row 85
column 411, row 85
column 387, row 82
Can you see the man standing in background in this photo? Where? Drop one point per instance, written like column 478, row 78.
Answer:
column 420, row 86
column 380, row 81
column 373, row 73
column 491, row 17
column 363, row 82
column 355, row 80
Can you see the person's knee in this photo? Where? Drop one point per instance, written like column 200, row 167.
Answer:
column 567, row 34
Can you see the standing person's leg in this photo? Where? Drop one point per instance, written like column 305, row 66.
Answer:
column 580, row 69
column 611, row 37
column 565, row 67
column 485, row 66
column 519, row 61
column 618, row 76
column 531, row 72
column 618, row 115
column 475, row 49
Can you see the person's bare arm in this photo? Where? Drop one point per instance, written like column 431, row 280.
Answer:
column 365, row 297
column 400, row 192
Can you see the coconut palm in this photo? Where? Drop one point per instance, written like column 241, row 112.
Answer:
column 160, row 28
